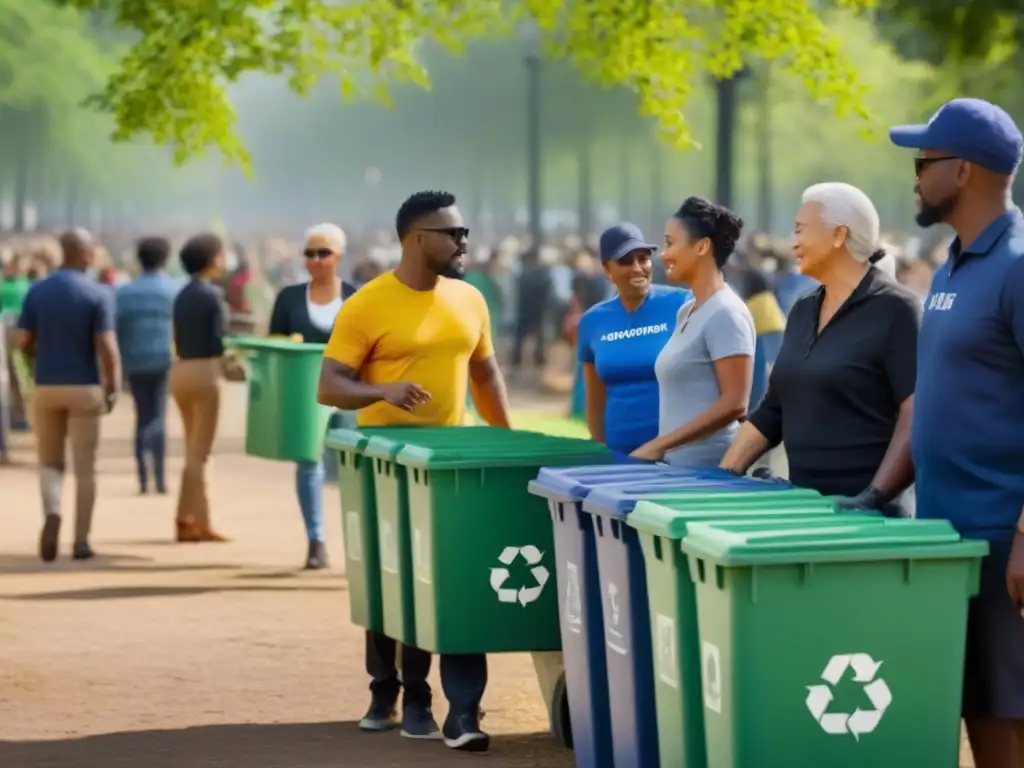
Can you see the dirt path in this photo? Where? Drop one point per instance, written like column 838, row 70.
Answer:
column 219, row 656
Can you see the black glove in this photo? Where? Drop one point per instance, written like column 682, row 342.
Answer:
column 868, row 500
column 765, row 474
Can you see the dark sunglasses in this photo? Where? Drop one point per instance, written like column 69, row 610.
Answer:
column 921, row 163
column 318, row 253
column 455, row 233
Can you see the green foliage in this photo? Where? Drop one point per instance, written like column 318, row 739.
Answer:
column 172, row 84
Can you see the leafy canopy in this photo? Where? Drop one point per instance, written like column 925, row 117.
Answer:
column 172, row 83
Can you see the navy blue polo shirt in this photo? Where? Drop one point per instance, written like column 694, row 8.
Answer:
column 64, row 312
column 968, row 433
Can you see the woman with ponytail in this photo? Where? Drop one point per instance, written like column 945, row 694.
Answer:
column 841, row 393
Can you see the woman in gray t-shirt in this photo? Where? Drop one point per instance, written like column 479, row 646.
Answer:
column 705, row 369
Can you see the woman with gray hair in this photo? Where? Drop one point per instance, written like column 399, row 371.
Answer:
column 306, row 312
column 841, row 393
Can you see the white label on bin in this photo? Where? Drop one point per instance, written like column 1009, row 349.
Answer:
column 388, row 548
column 668, row 670
column 711, row 676
column 573, row 598
column 526, row 593
column 420, row 558
column 353, row 537
column 864, row 670
column 615, row 639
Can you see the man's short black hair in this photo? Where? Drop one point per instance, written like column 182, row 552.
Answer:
column 153, row 253
column 199, row 252
column 419, row 205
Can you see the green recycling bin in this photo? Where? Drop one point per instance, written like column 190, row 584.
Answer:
column 392, row 493
column 284, row 421
column 661, row 523
column 359, row 521
column 836, row 646
column 469, row 565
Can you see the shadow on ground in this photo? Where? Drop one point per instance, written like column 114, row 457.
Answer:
column 160, row 590
column 30, row 563
column 278, row 745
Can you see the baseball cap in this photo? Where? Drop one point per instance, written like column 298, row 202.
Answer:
column 972, row 129
column 620, row 239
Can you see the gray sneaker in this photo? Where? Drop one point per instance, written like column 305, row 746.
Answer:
column 418, row 723
column 381, row 716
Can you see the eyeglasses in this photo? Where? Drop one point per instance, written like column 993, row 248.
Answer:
column 455, row 233
column 921, row 163
column 318, row 253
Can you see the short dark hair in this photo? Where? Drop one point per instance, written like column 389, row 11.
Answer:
column 722, row 227
column 419, row 205
column 198, row 253
column 152, row 253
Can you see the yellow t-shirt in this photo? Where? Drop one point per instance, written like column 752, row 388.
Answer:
column 389, row 332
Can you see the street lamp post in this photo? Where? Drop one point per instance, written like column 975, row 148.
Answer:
column 727, row 103
column 534, row 180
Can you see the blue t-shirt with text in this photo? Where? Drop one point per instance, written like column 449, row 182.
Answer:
column 968, row 429
column 623, row 346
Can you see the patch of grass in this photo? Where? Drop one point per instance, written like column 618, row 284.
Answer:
column 549, row 424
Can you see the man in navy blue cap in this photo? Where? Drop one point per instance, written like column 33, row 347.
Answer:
column 619, row 339
column 968, row 432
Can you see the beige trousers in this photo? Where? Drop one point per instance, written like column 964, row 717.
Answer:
column 195, row 387
column 61, row 415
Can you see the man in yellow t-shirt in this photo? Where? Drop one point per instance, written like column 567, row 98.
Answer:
column 400, row 352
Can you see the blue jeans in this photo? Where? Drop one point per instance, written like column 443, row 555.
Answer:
column 149, row 391
column 309, row 484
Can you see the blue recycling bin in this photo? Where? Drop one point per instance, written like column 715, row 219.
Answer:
column 580, row 614
column 625, row 628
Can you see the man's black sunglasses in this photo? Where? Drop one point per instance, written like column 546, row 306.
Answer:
column 455, row 233
column 920, row 163
column 318, row 253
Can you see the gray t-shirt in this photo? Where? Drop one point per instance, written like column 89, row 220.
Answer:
column 721, row 327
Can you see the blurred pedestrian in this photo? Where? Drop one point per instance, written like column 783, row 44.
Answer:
column 968, row 429
column 535, row 296
column 618, row 341
column 67, row 325
column 145, row 310
column 704, row 370
column 841, row 392
column 308, row 311
column 200, row 322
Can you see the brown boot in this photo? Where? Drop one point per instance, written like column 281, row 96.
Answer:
column 187, row 531
column 206, row 533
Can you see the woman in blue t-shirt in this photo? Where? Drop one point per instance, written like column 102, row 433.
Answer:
column 619, row 339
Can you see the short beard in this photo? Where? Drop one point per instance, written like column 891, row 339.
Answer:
column 937, row 213
column 453, row 272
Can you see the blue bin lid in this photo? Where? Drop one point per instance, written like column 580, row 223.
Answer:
column 620, row 500
column 575, row 483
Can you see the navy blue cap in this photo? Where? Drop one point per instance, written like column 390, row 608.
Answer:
column 971, row 129
column 622, row 238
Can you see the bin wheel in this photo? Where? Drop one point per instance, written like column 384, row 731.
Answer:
column 561, row 727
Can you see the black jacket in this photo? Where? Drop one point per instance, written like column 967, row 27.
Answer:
column 291, row 316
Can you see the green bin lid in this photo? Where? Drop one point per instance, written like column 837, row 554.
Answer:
column 503, row 448
column 672, row 521
column 263, row 344
column 357, row 438
column 855, row 539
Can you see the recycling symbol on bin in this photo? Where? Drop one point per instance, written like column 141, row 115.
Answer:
column 865, row 671
column 525, row 594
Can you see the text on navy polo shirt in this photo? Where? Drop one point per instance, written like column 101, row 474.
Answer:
column 968, row 432
column 623, row 347
column 64, row 312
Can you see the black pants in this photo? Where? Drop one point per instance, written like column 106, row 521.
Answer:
column 525, row 328
column 149, row 391
column 463, row 677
